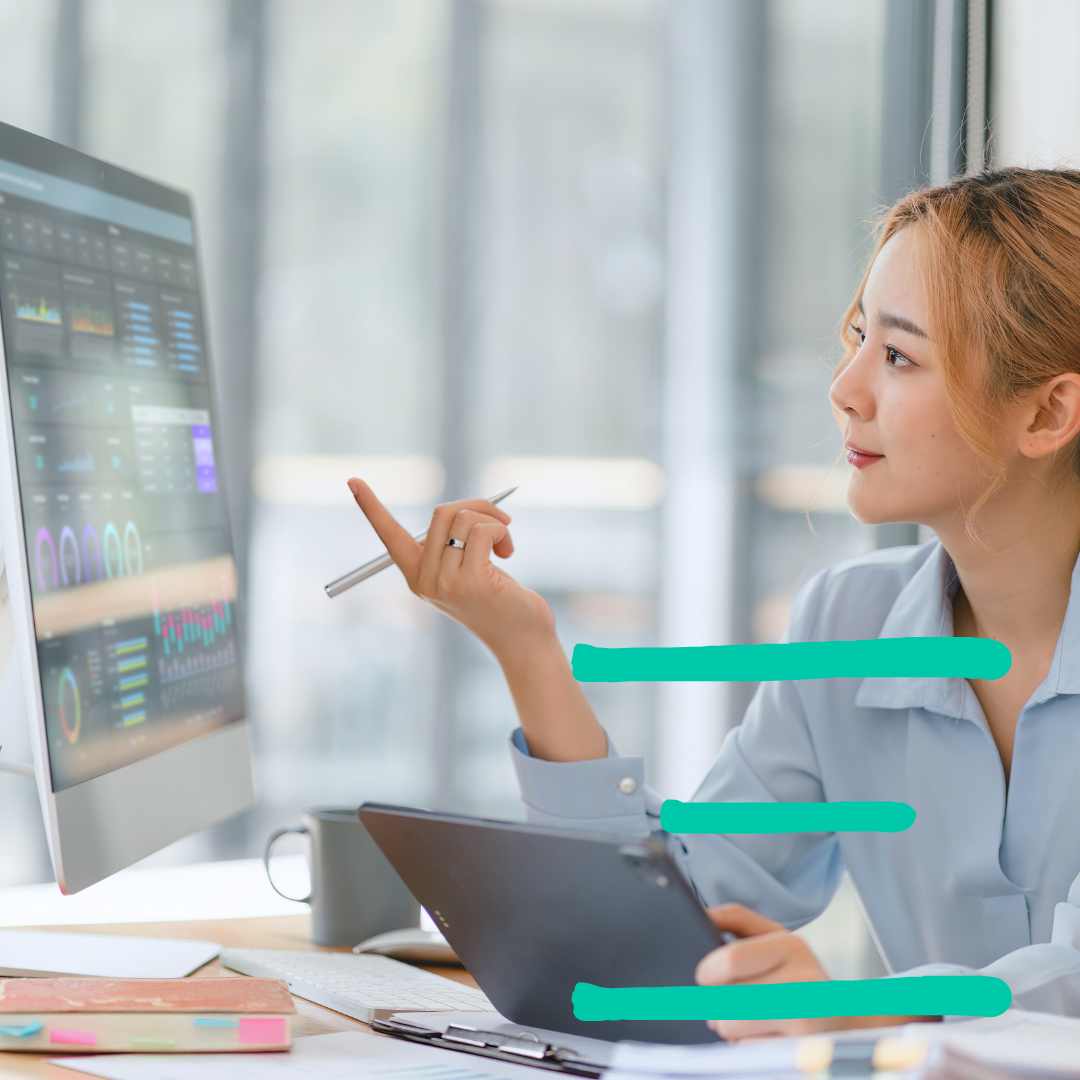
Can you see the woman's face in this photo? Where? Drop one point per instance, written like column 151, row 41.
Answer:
column 910, row 462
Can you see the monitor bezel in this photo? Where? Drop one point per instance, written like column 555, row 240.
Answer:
column 194, row 784
column 62, row 161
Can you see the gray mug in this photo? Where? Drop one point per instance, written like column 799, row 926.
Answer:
column 355, row 892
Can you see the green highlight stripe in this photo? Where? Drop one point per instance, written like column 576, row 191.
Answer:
column 785, row 817
column 913, row 995
column 911, row 657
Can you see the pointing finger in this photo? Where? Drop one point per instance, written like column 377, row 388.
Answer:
column 404, row 550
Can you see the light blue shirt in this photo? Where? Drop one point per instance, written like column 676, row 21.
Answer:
column 980, row 883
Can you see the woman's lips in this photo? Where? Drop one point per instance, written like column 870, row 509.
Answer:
column 861, row 458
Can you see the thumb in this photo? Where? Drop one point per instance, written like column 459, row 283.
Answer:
column 741, row 920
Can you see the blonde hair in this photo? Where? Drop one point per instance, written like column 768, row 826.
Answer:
column 1000, row 252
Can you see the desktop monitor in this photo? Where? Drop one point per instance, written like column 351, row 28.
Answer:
column 120, row 567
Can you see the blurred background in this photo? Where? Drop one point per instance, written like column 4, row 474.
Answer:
column 596, row 248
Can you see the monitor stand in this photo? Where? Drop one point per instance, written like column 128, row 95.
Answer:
column 48, row 953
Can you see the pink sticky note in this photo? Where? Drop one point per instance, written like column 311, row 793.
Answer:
column 262, row 1029
column 72, row 1038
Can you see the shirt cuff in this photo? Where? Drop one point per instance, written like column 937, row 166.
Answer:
column 601, row 795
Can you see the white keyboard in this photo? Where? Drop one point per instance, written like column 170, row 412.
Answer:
column 365, row 987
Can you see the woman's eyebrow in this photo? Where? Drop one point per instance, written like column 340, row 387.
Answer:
column 894, row 322
column 898, row 322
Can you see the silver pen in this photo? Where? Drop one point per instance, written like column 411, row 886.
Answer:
column 369, row 569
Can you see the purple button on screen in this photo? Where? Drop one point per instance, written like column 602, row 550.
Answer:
column 204, row 458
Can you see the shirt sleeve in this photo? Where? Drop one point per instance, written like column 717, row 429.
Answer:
column 602, row 795
column 1042, row 978
column 768, row 758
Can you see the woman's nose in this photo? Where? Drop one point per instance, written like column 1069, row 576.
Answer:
column 851, row 391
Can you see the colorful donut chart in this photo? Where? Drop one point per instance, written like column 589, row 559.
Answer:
column 111, row 533
column 45, row 537
column 132, row 543
column 71, row 731
column 67, row 537
column 72, row 562
column 91, row 554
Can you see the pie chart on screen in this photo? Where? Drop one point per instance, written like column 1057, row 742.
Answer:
column 70, row 705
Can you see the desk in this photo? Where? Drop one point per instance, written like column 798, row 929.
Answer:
column 275, row 932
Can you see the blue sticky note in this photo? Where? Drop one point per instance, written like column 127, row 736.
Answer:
column 208, row 1021
column 23, row 1032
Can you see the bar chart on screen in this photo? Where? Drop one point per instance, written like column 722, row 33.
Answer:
column 127, row 661
column 140, row 338
column 193, row 638
column 183, row 331
column 192, row 627
column 90, row 320
column 196, row 650
column 33, row 291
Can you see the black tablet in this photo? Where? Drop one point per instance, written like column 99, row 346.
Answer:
column 532, row 911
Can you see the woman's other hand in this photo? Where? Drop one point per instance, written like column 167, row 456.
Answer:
column 768, row 953
column 463, row 583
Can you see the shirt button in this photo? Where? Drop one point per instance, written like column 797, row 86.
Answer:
column 627, row 785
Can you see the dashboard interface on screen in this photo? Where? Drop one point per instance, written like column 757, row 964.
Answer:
column 133, row 582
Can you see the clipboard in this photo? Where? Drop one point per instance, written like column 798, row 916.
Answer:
column 518, row 1049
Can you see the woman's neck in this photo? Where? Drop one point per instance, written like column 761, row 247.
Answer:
column 1015, row 584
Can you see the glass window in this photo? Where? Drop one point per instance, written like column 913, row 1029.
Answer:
column 563, row 284
column 822, row 118
column 349, row 382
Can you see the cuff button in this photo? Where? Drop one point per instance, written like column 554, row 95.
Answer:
column 627, row 785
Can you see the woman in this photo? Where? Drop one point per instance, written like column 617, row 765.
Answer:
column 959, row 398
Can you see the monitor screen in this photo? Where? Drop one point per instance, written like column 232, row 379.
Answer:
column 132, row 578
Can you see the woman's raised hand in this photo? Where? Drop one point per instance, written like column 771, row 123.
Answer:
column 514, row 622
column 463, row 582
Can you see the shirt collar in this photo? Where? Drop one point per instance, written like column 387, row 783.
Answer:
column 1064, row 674
column 923, row 608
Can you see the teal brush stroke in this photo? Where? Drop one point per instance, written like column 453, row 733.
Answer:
column 911, row 657
column 915, row 995
column 785, row 817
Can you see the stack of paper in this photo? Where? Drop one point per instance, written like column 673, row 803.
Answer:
column 1015, row 1044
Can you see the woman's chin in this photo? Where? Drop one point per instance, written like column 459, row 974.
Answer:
column 873, row 511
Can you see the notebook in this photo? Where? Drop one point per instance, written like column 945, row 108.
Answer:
column 145, row 1016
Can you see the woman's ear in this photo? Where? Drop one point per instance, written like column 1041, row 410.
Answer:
column 1052, row 416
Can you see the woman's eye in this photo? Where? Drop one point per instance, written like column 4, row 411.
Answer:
column 896, row 359
column 860, row 334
